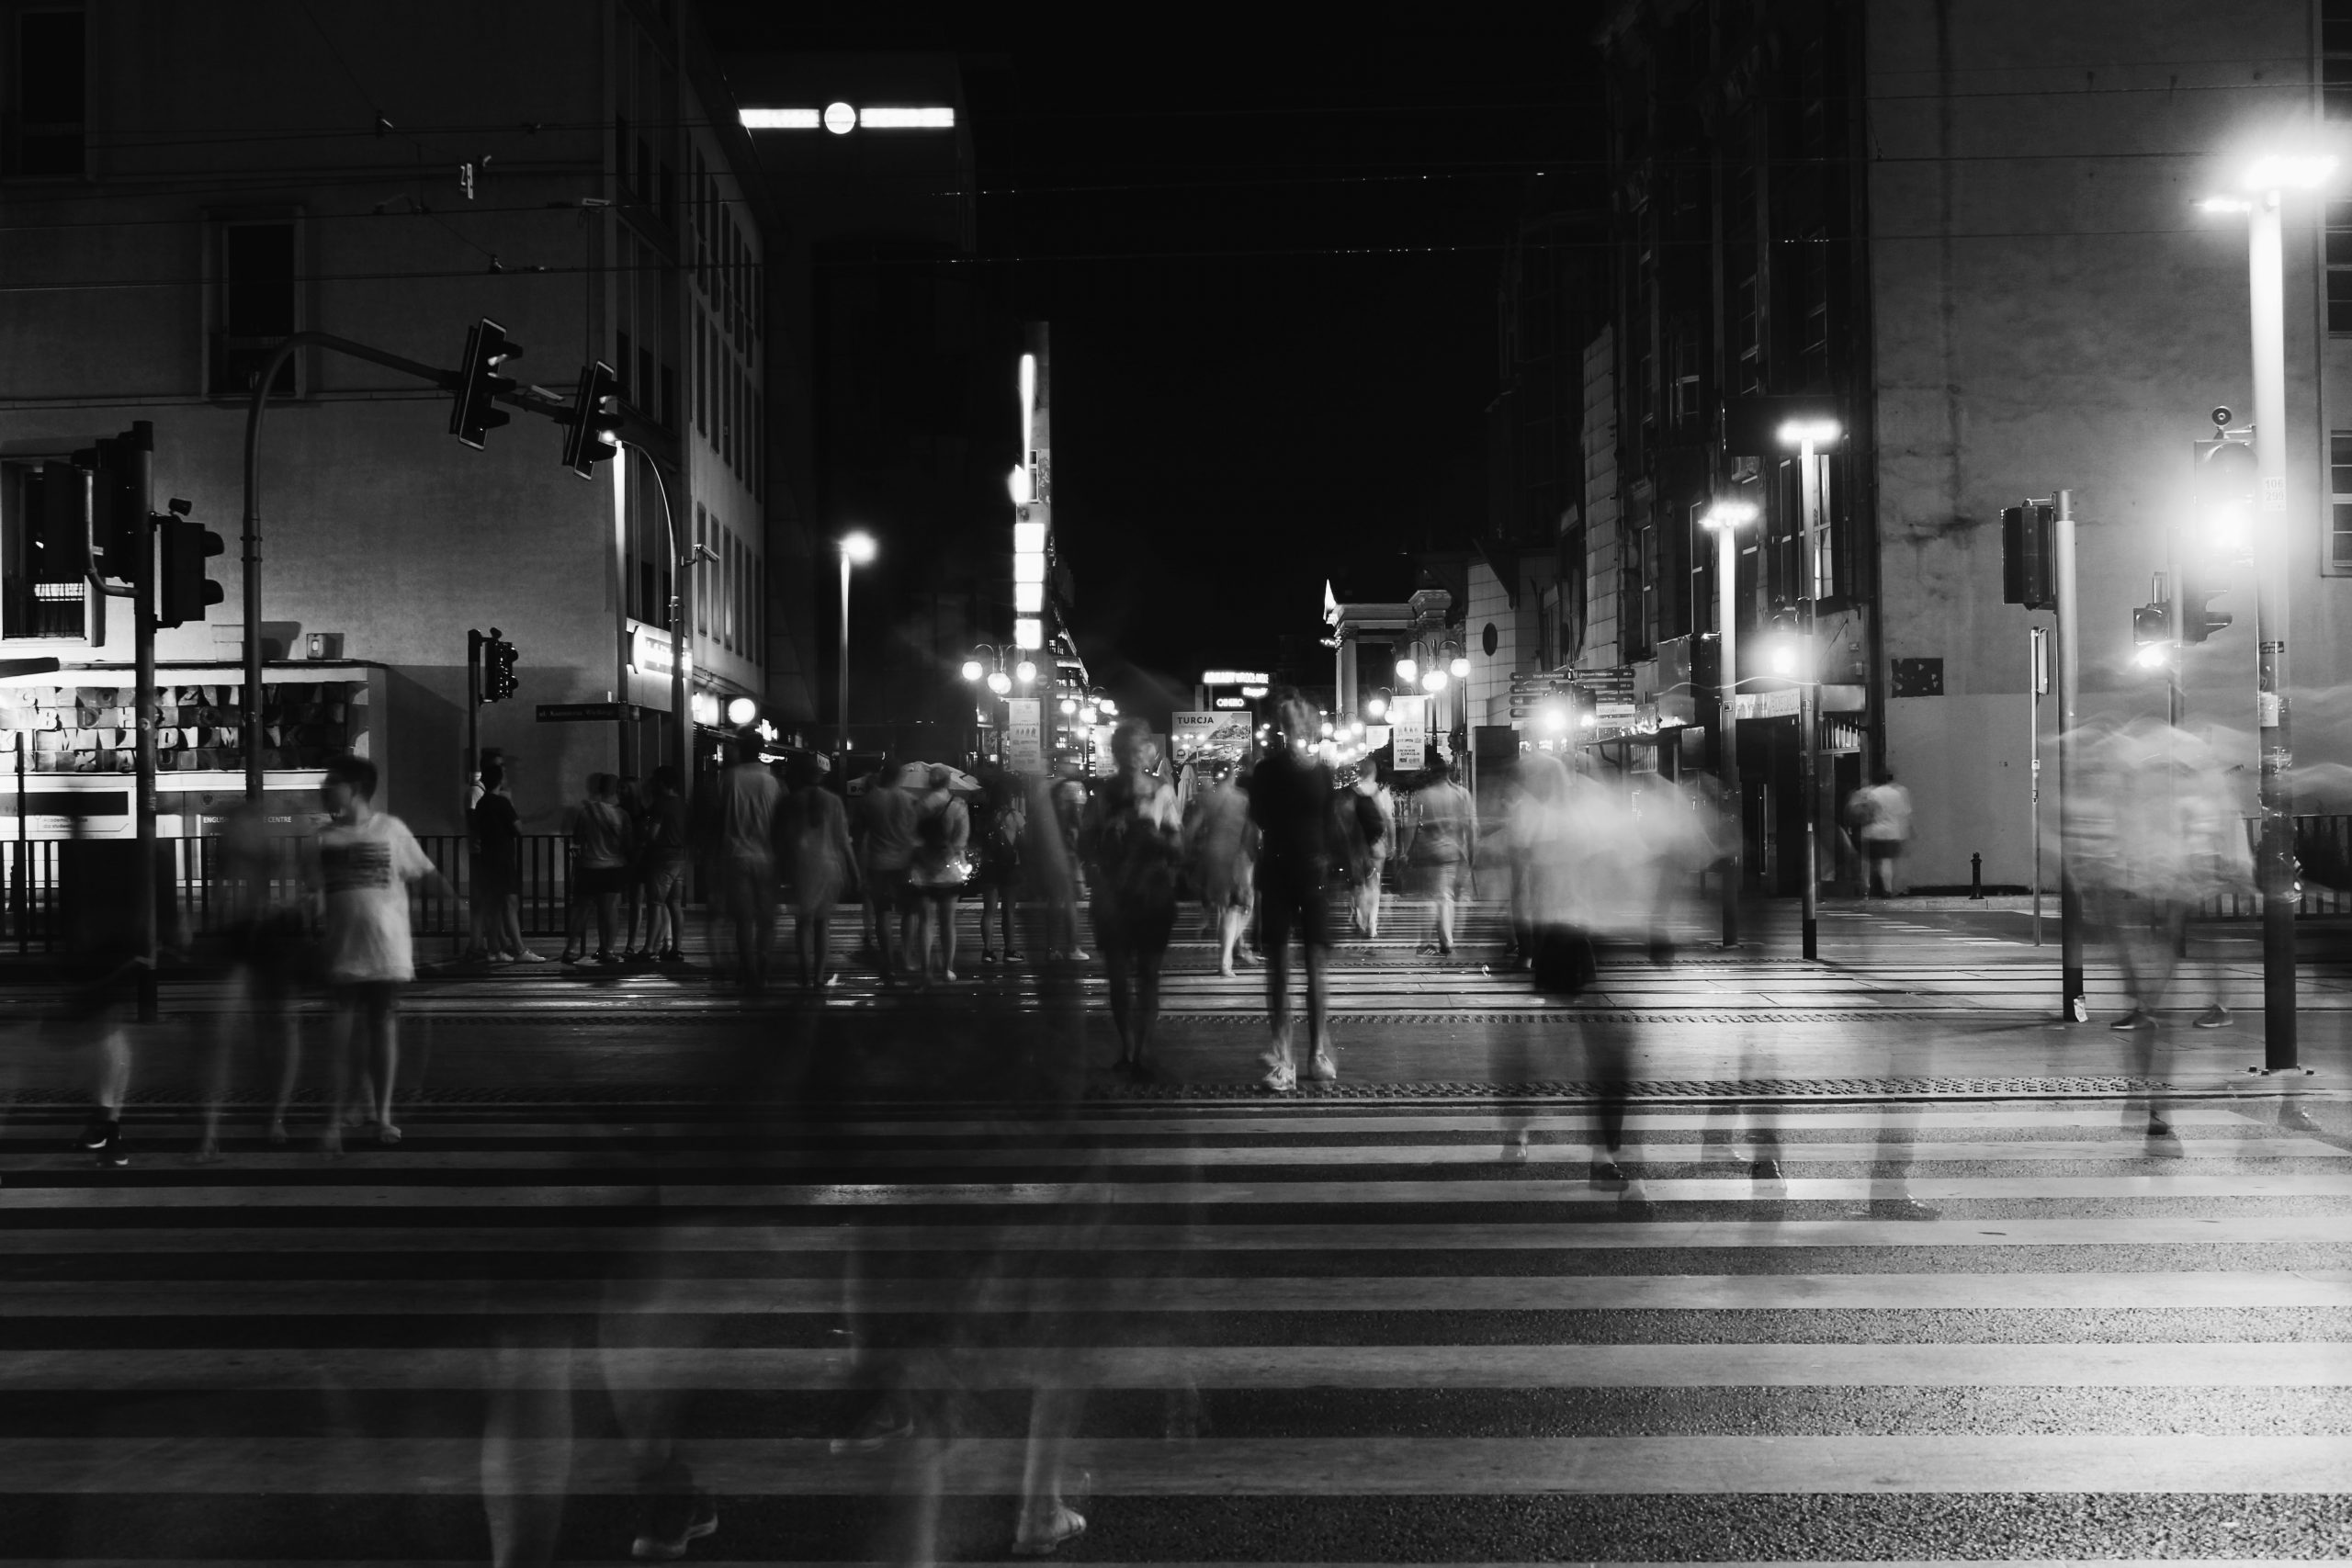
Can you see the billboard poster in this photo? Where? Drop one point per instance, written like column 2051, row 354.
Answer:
column 1025, row 737
column 1199, row 735
column 1409, row 722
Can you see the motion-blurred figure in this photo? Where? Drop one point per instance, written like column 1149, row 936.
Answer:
column 999, row 821
column 940, row 867
column 367, row 861
column 1224, row 844
column 1131, row 842
column 1438, row 844
column 667, row 860
column 1366, row 824
column 745, row 807
column 1881, row 816
column 602, row 851
column 267, row 932
column 1290, row 802
column 821, row 866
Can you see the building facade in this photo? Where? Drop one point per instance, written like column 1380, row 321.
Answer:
column 221, row 181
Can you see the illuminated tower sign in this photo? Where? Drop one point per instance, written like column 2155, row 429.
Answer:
column 1033, row 493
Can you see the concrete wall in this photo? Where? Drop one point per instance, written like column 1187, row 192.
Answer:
column 2049, row 310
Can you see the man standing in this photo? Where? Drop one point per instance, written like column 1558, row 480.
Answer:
column 743, row 823
column 1290, row 801
column 1439, row 848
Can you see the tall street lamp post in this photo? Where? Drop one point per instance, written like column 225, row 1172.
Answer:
column 856, row 549
column 2266, row 180
column 1807, row 435
column 1724, row 519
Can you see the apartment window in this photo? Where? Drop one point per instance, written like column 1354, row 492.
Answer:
column 1682, row 392
column 47, row 82
column 41, row 593
column 258, row 304
column 1637, row 588
column 1812, row 281
column 2339, row 267
column 2339, row 510
column 2336, row 58
column 623, row 363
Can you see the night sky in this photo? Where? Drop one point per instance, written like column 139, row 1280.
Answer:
column 1270, row 261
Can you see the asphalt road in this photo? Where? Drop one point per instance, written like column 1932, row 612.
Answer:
column 1977, row 1312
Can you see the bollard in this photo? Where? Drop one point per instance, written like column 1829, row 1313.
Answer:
column 1976, row 876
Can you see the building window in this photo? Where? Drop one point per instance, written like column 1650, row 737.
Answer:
column 258, row 305
column 2336, row 58
column 1682, row 392
column 1812, row 279
column 41, row 592
column 2339, row 510
column 2339, row 267
column 47, row 83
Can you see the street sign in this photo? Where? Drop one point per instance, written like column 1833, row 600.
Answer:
column 1613, row 685
column 585, row 713
column 1410, row 730
column 1025, row 737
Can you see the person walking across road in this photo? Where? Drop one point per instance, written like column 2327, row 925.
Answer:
column 1882, row 819
column 1224, row 846
column 1131, row 842
column 1438, row 848
column 1290, row 802
column 1370, row 837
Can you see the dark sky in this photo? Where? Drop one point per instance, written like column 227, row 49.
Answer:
column 1270, row 260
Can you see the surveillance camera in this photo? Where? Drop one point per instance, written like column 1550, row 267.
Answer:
column 2221, row 417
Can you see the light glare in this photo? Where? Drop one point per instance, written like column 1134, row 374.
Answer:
column 929, row 118
column 2290, row 172
column 1408, row 670
column 839, row 119
column 1029, row 537
column 1808, row 432
column 972, row 668
column 1729, row 515
column 859, row 549
column 780, row 119
column 1028, row 598
column 1029, row 634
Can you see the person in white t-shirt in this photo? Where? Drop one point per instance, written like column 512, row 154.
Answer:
column 367, row 861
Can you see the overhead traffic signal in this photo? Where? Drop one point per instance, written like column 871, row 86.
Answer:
column 498, row 682
column 2028, row 557
column 591, row 433
column 475, row 413
column 184, row 593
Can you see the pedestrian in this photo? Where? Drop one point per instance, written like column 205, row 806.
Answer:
column 498, row 868
column 1067, row 794
column 1225, row 851
column 600, row 852
column 1881, row 817
column 1438, row 849
column 630, row 799
column 266, row 935
column 1368, row 829
column 999, row 823
column 1289, row 803
column 367, row 861
column 821, row 863
column 745, row 807
column 937, row 873
column 667, row 862
column 1132, row 844
column 890, row 844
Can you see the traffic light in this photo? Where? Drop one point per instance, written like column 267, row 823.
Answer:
column 2151, row 625
column 475, row 414
column 590, row 434
column 498, row 682
column 2222, row 474
column 2197, row 584
column 184, row 591
column 2028, row 557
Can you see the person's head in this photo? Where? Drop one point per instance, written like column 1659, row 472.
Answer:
column 600, row 786
column 665, row 781
column 743, row 746
column 494, row 777
column 350, row 787
column 1131, row 745
column 1368, row 770
column 939, row 775
column 1294, row 716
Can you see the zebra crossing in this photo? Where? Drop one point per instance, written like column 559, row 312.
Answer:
column 1302, row 1331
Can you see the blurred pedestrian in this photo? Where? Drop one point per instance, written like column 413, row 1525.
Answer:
column 1438, row 849
column 600, row 860
column 937, row 873
column 999, row 823
column 1375, row 814
column 668, row 863
column 1881, row 816
column 1290, row 802
column 745, row 807
column 821, row 863
column 367, row 861
column 1224, row 848
column 630, row 799
column 268, row 934
column 889, row 821
column 1066, row 795
column 1132, row 844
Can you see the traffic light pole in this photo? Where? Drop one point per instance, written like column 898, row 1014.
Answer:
column 1727, row 722
column 2074, row 1006
column 2275, row 863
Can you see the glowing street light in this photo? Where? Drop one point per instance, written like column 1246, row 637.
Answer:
column 972, row 670
column 857, row 549
column 1025, row 672
column 1460, row 667
column 1408, row 670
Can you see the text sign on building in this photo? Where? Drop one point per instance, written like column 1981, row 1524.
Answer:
column 1024, row 736
column 1410, row 725
column 649, row 652
column 584, row 713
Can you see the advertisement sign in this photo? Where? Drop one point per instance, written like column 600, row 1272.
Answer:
column 1195, row 735
column 1409, row 721
column 1025, row 737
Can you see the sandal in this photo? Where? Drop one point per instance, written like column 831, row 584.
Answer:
column 388, row 1134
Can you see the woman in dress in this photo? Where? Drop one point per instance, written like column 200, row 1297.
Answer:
column 1132, row 842
column 817, row 840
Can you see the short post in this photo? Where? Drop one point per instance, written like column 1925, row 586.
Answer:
column 1976, row 875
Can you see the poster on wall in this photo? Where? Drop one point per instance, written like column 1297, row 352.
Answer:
column 1197, row 736
column 1409, row 721
column 1025, row 737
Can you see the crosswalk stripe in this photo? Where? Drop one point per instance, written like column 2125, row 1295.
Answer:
column 2261, row 1364
column 1619, row 1293
column 852, row 1195
column 700, row 1235
column 1213, row 1156
column 2007, row 1462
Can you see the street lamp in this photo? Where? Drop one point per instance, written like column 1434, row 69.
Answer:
column 1807, row 435
column 2265, row 181
column 856, row 549
column 1375, row 706
column 1724, row 519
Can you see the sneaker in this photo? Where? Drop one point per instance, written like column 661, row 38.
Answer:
column 2159, row 1128
column 111, row 1155
column 1606, row 1173
column 670, row 1521
column 1013, row 957
column 101, row 1130
column 528, row 956
column 1322, row 1069
column 1079, row 956
column 1765, row 1170
column 2216, row 1017
column 1039, row 1535
column 988, row 959
column 1280, row 1078
column 2138, row 1018
column 887, row 1422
